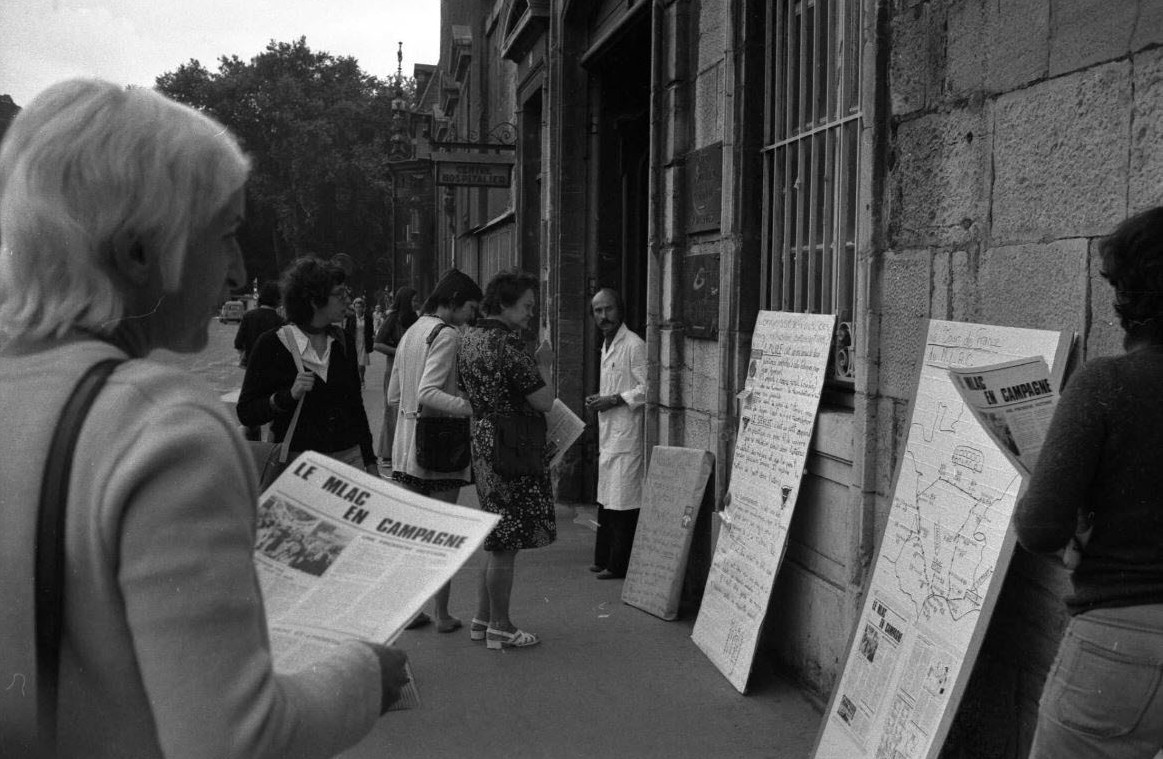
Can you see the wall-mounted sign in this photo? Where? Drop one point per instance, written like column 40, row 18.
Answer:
column 473, row 174
column 705, row 188
column 700, row 297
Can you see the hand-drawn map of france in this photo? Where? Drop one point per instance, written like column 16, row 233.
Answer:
column 945, row 549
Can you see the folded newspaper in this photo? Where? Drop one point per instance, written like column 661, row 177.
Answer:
column 341, row 554
column 1014, row 402
column 563, row 429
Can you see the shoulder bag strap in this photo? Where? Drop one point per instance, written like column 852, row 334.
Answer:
column 428, row 342
column 49, row 571
column 285, row 446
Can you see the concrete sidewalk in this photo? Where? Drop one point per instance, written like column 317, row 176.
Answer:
column 608, row 680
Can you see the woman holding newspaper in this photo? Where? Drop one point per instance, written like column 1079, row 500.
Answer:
column 1102, row 460
column 503, row 381
column 119, row 210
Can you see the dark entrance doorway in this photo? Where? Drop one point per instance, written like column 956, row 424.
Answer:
column 621, row 114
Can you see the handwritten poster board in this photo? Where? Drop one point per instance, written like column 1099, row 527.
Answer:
column 946, row 546
column 670, row 508
column 789, row 353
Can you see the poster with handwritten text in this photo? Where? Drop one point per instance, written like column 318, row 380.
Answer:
column 785, row 375
column 671, row 498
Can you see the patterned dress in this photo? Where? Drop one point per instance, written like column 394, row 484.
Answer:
column 497, row 372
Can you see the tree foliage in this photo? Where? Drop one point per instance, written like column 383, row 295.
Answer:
column 316, row 128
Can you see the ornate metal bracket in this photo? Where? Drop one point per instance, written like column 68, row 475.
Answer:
column 502, row 136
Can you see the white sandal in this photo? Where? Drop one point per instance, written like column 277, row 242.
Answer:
column 498, row 639
column 477, row 629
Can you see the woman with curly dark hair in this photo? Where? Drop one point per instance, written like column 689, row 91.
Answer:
column 1103, row 459
column 332, row 419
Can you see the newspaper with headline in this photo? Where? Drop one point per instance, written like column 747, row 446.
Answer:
column 1014, row 402
column 341, row 554
column 563, row 428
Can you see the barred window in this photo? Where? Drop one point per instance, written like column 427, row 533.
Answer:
column 811, row 159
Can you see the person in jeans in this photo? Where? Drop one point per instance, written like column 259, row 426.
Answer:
column 1102, row 465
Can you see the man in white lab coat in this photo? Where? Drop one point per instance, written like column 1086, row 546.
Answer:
column 619, row 405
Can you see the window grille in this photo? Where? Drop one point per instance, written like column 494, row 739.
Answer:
column 811, row 160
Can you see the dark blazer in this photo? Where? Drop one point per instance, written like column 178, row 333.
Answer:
column 333, row 418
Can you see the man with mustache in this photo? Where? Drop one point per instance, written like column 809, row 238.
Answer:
column 619, row 406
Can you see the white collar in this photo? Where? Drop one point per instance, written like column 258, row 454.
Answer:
column 311, row 359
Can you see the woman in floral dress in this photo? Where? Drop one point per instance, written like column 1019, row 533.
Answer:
column 501, row 377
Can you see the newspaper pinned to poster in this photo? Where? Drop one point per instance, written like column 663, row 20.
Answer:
column 946, row 547
column 343, row 555
column 563, row 428
column 1014, row 402
column 777, row 413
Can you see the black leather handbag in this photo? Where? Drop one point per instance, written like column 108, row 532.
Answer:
column 519, row 445
column 443, row 443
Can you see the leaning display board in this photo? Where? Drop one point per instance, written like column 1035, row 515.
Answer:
column 789, row 353
column 945, row 550
column 670, row 508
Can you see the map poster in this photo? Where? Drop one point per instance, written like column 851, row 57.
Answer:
column 671, row 499
column 946, row 546
column 785, row 375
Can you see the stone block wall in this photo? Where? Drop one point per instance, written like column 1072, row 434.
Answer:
column 1020, row 133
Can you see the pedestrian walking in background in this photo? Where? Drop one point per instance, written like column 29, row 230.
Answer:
column 254, row 323
column 502, row 379
column 621, row 433
column 377, row 318
column 361, row 334
column 258, row 320
column 1103, row 459
column 332, row 420
column 423, row 382
column 398, row 319
column 119, row 211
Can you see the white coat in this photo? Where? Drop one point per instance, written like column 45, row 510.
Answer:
column 621, row 429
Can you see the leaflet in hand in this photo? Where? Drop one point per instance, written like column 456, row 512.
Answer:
column 563, row 428
column 1014, row 402
column 341, row 554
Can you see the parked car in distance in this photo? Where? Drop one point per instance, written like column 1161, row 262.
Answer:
column 232, row 311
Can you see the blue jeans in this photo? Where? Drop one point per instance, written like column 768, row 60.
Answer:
column 1104, row 693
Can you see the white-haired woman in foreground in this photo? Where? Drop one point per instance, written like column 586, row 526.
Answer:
column 118, row 212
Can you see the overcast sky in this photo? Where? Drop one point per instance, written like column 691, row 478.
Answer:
column 133, row 41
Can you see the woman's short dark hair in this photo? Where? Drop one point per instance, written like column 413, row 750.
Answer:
column 506, row 288
column 307, row 284
column 268, row 294
column 1132, row 261
column 454, row 289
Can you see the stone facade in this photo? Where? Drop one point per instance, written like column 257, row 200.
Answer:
column 1021, row 132
column 998, row 141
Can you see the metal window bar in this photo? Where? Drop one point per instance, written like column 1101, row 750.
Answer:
column 812, row 125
